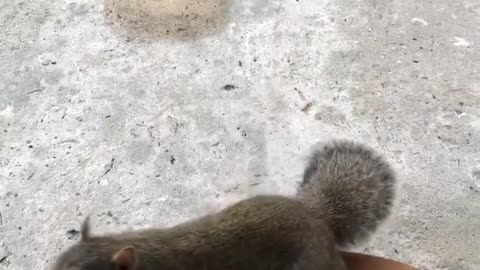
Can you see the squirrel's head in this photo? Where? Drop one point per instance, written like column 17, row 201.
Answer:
column 95, row 253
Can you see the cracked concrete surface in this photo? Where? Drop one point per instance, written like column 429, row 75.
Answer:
column 144, row 112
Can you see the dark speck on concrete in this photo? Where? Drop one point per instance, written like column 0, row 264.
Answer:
column 72, row 234
column 3, row 259
column 229, row 87
column 48, row 62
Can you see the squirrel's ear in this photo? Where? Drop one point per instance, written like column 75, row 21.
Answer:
column 85, row 230
column 125, row 258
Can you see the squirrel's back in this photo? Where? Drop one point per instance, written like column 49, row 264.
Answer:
column 351, row 186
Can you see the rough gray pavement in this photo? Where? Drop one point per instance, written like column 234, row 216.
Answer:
column 129, row 112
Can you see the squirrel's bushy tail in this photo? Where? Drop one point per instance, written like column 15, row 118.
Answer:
column 349, row 185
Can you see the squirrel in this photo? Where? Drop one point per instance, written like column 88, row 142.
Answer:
column 346, row 192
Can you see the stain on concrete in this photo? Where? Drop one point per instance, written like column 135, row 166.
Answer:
column 167, row 19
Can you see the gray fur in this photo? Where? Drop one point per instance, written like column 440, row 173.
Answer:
column 348, row 187
column 351, row 185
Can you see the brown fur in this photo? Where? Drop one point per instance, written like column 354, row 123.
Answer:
column 260, row 233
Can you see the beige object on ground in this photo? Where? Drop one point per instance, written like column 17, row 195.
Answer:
column 356, row 261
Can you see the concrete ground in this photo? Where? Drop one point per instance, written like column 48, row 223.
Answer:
column 128, row 111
